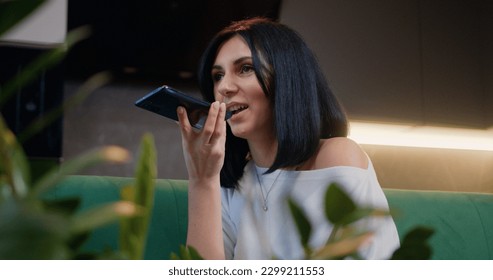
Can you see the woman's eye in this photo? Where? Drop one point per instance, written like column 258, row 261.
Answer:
column 247, row 68
column 217, row 76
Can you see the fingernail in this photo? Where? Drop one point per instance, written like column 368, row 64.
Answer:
column 215, row 104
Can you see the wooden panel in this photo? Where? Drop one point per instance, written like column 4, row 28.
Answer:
column 487, row 49
column 453, row 84
column 432, row 169
column 369, row 51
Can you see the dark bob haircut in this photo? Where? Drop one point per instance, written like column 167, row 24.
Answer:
column 304, row 108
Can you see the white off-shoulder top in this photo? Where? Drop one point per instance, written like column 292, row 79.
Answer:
column 252, row 233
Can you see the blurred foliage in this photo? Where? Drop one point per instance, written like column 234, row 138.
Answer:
column 133, row 231
column 186, row 253
column 413, row 246
column 346, row 238
column 33, row 226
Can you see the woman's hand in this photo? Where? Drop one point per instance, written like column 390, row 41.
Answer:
column 204, row 150
column 204, row 157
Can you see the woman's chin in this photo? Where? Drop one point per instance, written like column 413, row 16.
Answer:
column 238, row 130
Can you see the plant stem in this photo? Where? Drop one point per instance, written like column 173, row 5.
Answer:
column 333, row 234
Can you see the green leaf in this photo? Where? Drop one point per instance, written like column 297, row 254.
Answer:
column 26, row 233
column 133, row 232
column 186, row 253
column 76, row 241
column 102, row 215
column 338, row 205
column 66, row 205
column 343, row 247
column 13, row 12
column 146, row 172
column 361, row 213
column 194, row 254
column 302, row 223
column 415, row 245
column 110, row 154
column 14, row 167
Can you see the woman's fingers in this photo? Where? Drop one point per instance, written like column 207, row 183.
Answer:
column 220, row 125
column 214, row 126
column 204, row 149
column 183, row 120
column 210, row 124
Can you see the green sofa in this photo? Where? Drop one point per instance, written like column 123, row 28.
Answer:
column 463, row 222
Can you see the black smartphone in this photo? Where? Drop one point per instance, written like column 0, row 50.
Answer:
column 165, row 100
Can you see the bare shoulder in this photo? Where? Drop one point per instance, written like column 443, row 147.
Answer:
column 340, row 151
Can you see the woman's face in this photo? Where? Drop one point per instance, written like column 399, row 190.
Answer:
column 236, row 84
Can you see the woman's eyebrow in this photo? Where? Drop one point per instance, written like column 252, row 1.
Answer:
column 235, row 62
column 217, row 67
column 241, row 60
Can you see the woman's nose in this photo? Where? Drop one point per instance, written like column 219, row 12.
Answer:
column 227, row 86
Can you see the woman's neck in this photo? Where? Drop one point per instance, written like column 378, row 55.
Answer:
column 264, row 152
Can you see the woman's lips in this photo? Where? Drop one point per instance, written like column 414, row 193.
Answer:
column 237, row 108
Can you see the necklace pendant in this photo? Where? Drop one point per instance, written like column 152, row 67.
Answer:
column 261, row 187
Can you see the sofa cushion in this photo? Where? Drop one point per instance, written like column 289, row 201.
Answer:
column 168, row 226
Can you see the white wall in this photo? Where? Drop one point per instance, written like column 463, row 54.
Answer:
column 46, row 27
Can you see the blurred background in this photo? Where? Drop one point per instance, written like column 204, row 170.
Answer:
column 419, row 68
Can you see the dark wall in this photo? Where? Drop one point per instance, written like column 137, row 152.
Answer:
column 152, row 39
column 32, row 101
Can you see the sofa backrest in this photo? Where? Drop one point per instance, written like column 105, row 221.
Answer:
column 463, row 222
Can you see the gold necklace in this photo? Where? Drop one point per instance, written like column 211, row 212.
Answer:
column 266, row 197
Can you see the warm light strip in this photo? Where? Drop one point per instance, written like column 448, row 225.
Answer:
column 422, row 136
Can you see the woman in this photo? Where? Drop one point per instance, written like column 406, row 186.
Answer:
column 286, row 138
